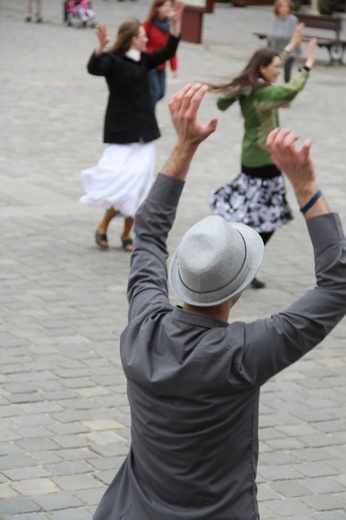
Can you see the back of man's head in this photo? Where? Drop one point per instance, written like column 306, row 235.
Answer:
column 215, row 261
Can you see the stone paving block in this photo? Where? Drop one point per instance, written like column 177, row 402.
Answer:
column 290, row 488
column 269, row 473
column 326, row 502
column 68, row 468
column 288, row 507
column 71, row 416
column 74, row 483
column 102, row 425
column 73, row 514
column 317, row 469
column 32, row 445
column 104, row 463
column 54, row 501
column 34, row 486
column 6, row 491
column 25, row 473
column 19, row 460
column 15, row 505
column 324, row 485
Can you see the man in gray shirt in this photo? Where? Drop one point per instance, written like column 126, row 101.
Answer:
column 193, row 378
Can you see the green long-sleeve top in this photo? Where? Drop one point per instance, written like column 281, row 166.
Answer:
column 259, row 106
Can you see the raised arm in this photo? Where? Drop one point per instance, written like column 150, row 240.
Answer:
column 103, row 39
column 177, row 13
column 184, row 107
column 147, row 288
column 276, row 342
column 297, row 38
column 298, row 167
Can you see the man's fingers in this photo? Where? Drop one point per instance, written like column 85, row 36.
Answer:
column 305, row 150
column 280, row 139
column 176, row 100
column 211, row 126
column 188, row 96
column 291, row 138
column 271, row 138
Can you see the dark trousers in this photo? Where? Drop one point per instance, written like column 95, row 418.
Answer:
column 157, row 82
column 287, row 69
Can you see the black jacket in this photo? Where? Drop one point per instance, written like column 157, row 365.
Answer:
column 130, row 113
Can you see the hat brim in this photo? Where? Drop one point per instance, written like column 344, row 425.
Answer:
column 255, row 252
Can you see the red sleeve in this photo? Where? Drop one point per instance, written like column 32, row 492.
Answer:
column 174, row 62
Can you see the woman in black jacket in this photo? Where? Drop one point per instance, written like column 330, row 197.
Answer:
column 122, row 178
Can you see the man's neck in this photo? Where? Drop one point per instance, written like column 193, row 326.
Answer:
column 219, row 312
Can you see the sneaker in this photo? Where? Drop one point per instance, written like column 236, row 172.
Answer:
column 28, row 19
column 257, row 284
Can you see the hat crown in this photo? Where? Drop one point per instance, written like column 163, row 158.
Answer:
column 215, row 261
column 211, row 256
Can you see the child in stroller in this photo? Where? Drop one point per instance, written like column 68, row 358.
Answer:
column 79, row 13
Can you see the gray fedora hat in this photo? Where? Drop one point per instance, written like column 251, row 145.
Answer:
column 215, row 261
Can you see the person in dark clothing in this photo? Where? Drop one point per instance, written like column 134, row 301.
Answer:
column 122, row 178
column 193, row 379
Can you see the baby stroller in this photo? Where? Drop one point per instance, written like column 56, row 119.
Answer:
column 79, row 13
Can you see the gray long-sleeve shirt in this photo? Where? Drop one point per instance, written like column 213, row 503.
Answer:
column 193, row 381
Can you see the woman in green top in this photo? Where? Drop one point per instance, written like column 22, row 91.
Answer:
column 257, row 197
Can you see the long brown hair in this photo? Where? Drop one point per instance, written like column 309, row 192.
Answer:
column 126, row 32
column 250, row 75
column 153, row 15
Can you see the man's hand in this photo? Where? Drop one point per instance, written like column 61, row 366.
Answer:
column 298, row 166
column 184, row 109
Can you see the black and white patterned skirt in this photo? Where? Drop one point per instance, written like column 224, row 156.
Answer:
column 258, row 202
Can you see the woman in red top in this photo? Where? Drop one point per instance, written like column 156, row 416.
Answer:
column 157, row 29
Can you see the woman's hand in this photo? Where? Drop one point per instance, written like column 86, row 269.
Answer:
column 177, row 13
column 101, row 33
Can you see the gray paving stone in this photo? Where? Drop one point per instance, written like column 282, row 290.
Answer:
column 54, row 501
column 12, row 506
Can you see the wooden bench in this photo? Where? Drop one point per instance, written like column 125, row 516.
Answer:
column 334, row 45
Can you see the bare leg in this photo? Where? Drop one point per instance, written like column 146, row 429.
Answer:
column 29, row 15
column 125, row 236
column 109, row 214
column 38, row 11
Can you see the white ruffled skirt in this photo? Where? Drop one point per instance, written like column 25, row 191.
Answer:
column 121, row 179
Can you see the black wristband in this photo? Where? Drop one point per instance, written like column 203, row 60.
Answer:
column 311, row 202
column 307, row 68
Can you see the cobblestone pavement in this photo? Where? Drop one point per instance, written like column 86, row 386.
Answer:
column 65, row 424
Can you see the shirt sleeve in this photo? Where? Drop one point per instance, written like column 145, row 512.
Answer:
column 272, row 96
column 155, row 58
column 275, row 343
column 223, row 103
column 147, row 285
column 101, row 65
